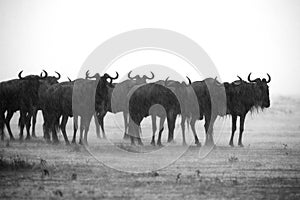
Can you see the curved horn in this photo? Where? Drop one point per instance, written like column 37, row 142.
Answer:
column 190, row 82
column 19, row 75
column 69, row 79
column 151, row 77
column 217, row 82
column 113, row 78
column 129, row 75
column 46, row 74
column 57, row 78
column 269, row 78
column 240, row 78
column 249, row 79
column 87, row 74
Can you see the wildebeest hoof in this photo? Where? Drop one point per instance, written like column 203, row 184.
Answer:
column 241, row 145
column 140, row 143
column 231, row 144
column 28, row 138
column 171, row 141
column 160, row 144
column 184, row 144
column 55, row 142
column 67, row 143
column 12, row 138
column 198, row 144
column 48, row 141
column 126, row 136
column 152, row 143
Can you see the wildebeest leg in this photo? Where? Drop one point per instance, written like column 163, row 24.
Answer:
column 192, row 123
column 101, row 122
column 161, row 129
column 63, row 128
column 54, row 126
column 46, row 130
column 34, row 114
column 22, row 120
column 242, row 122
column 126, row 124
column 46, row 126
column 81, row 131
column 75, row 127
column 183, row 119
column 2, row 124
column 154, row 128
column 171, row 125
column 209, row 124
column 138, row 138
column 28, row 124
column 133, row 130
column 97, row 126
column 7, row 123
column 87, row 122
column 233, row 128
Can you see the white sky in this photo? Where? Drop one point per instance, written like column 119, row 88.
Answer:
column 239, row 36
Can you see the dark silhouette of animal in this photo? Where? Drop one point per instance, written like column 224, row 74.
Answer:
column 57, row 102
column 212, row 102
column 118, row 101
column 81, row 98
column 243, row 97
column 240, row 98
column 18, row 95
column 44, row 84
column 140, row 102
column 188, row 104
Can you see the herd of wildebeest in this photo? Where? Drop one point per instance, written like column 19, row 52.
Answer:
column 94, row 96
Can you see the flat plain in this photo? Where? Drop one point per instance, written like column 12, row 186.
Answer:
column 267, row 167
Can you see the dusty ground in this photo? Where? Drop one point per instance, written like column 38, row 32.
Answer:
column 267, row 167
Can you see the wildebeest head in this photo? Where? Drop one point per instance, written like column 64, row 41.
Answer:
column 263, row 90
column 50, row 79
column 31, row 77
column 32, row 84
column 103, row 79
column 140, row 80
column 96, row 76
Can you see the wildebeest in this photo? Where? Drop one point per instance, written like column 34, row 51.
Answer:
column 57, row 102
column 140, row 102
column 82, row 98
column 188, row 104
column 242, row 97
column 118, row 101
column 18, row 94
column 212, row 102
column 44, row 84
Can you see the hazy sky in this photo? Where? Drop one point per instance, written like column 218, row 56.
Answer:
column 239, row 36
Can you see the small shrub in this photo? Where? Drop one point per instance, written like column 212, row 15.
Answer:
column 233, row 159
column 15, row 163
